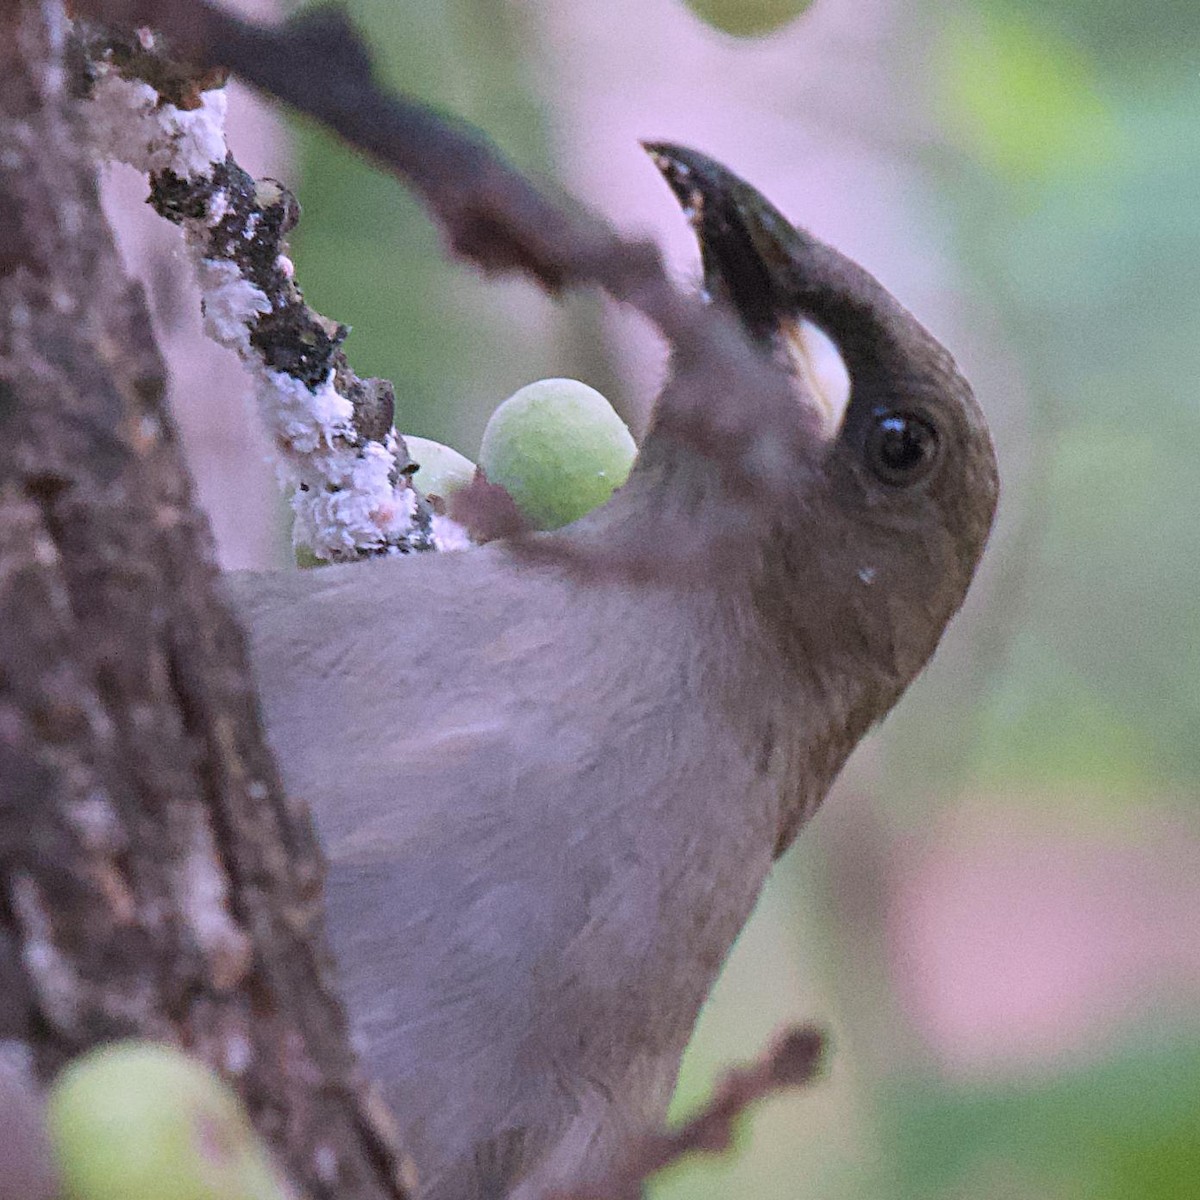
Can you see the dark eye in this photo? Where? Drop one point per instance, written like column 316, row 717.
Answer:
column 901, row 447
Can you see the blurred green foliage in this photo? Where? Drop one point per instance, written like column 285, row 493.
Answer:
column 1123, row 1129
column 1076, row 129
column 1074, row 199
column 1019, row 97
column 1129, row 39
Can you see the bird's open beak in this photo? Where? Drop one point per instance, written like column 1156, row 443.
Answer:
column 748, row 250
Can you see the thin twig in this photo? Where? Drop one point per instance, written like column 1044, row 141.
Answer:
column 793, row 1061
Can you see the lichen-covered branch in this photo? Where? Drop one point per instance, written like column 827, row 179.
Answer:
column 155, row 881
column 346, row 470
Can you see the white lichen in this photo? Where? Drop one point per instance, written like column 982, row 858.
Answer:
column 368, row 511
column 238, row 1054
column 59, row 990
column 94, row 820
column 218, row 208
column 129, row 123
column 230, row 303
column 326, row 1164
column 306, row 420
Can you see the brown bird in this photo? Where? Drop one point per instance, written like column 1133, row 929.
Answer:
column 550, row 803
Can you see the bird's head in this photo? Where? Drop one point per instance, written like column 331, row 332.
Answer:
column 873, row 552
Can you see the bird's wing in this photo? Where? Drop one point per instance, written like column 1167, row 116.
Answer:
column 390, row 699
column 406, row 717
column 493, row 759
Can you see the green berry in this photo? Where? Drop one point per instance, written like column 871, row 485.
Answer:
column 442, row 472
column 558, row 448
column 748, row 18
column 143, row 1121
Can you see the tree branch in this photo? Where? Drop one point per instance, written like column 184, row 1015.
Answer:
column 793, row 1061
column 156, row 881
column 346, row 467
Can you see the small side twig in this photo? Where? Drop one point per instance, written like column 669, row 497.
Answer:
column 794, row 1060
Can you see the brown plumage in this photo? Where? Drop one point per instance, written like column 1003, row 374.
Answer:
column 550, row 803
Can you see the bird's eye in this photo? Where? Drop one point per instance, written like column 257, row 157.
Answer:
column 901, row 447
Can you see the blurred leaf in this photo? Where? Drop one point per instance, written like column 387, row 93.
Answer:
column 1126, row 1129
column 1019, row 98
column 1103, row 684
column 1140, row 37
column 1049, row 725
column 1094, row 286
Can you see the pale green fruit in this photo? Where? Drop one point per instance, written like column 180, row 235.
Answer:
column 443, row 471
column 748, row 18
column 143, row 1121
column 558, row 448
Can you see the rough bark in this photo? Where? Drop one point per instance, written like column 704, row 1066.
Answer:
column 154, row 879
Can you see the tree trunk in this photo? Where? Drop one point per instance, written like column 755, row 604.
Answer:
column 156, row 881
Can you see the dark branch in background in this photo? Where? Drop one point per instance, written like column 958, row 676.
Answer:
column 793, row 1061
column 494, row 217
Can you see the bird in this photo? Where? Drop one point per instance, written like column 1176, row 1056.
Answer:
column 549, row 802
